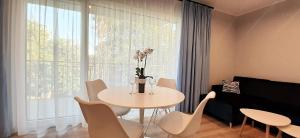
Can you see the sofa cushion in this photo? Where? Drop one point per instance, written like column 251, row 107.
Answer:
column 231, row 86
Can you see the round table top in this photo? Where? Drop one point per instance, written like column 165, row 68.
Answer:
column 291, row 130
column 162, row 97
column 265, row 117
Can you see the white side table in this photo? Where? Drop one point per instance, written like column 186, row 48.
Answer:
column 267, row 118
column 291, row 130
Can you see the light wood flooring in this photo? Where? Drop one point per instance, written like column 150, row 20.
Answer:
column 211, row 128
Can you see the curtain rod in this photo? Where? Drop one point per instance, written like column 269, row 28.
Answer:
column 198, row 3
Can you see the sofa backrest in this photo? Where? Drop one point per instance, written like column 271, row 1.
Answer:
column 252, row 86
column 281, row 92
column 285, row 92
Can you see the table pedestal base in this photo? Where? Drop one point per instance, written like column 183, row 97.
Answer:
column 142, row 116
column 142, row 120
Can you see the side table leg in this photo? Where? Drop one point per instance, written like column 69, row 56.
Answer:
column 279, row 135
column 267, row 131
column 243, row 125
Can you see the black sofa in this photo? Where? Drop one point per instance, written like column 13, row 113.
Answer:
column 273, row 96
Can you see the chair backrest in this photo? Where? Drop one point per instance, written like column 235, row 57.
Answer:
column 102, row 122
column 169, row 83
column 194, row 124
column 93, row 87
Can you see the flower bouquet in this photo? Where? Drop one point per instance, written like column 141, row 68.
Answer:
column 141, row 57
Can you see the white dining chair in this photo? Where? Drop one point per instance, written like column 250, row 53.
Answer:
column 179, row 124
column 162, row 82
column 94, row 87
column 169, row 83
column 103, row 123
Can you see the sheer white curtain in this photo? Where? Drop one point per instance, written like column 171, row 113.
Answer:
column 52, row 66
column 120, row 27
column 61, row 43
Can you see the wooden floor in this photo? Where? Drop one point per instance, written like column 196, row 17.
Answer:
column 211, row 128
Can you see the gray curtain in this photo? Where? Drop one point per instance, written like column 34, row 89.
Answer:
column 193, row 70
column 5, row 110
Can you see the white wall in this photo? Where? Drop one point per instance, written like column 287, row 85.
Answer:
column 222, row 47
column 268, row 43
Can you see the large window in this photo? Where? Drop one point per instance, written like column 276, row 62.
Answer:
column 116, row 32
column 59, row 56
column 52, row 58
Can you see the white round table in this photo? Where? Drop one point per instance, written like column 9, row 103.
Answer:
column 268, row 118
column 162, row 97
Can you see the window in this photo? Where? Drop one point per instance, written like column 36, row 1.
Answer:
column 53, row 43
column 116, row 32
column 55, row 51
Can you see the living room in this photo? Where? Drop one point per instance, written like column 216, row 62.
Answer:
column 230, row 66
column 257, row 50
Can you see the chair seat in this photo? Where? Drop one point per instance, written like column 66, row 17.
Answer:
column 167, row 122
column 184, row 125
column 120, row 111
column 133, row 129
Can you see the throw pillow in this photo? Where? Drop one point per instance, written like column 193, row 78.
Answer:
column 231, row 86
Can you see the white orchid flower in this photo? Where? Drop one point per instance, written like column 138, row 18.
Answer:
column 142, row 55
column 150, row 51
column 137, row 52
column 136, row 57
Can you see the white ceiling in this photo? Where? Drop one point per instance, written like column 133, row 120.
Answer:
column 238, row 7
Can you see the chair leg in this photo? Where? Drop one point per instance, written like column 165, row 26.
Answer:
column 151, row 118
column 166, row 111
